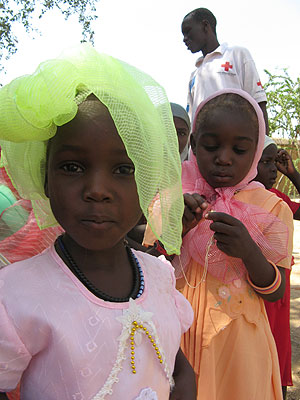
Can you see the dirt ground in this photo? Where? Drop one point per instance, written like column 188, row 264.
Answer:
column 294, row 391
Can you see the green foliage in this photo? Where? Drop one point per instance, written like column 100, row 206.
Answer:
column 22, row 12
column 283, row 96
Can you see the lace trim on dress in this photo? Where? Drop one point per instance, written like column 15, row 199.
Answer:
column 136, row 314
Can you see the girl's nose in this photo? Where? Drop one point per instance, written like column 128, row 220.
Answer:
column 224, row 157
column 97, row 188
column 273, row 167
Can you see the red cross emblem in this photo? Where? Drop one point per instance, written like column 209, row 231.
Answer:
column 259, row 84
column 226, row 66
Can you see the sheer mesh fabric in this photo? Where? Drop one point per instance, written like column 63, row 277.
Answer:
column 32, row 106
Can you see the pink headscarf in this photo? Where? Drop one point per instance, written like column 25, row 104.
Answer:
column 258, row 221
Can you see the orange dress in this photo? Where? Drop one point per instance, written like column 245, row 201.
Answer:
column 230, row 344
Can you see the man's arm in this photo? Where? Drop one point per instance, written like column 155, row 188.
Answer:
column 3, row 396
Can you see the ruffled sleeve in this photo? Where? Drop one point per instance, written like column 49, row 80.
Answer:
column 14, row 357
column 276, row 206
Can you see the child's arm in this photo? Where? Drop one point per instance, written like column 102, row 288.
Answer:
column 234, row 240
column 3, row 396
column 286, row 166
column 184, row 377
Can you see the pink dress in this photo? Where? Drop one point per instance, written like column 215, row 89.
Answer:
column 65, row 343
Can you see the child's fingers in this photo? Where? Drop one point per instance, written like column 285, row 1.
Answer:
column 222, row 228
column 221, row 217
column 195, row 202
column 188, row 215
column 222, row 238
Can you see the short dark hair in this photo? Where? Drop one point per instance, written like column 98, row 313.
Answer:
column 232, row 103
column 201, row 14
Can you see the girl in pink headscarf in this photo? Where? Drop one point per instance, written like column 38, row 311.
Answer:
column 237, row 243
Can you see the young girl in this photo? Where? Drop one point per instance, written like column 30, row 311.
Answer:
column 87, row 136
column 234, row 253
column 279, row 312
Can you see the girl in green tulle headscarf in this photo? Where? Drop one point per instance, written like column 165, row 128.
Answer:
column 90, row 141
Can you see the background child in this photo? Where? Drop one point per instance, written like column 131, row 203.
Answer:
column 279, row 311
column 183, row 128
column 274, row 159
column 228, row 259
column 89, row 318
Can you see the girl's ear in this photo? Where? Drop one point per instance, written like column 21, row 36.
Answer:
column 193, row 143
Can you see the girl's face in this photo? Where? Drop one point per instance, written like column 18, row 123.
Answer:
column 224, row 148
column 90, row 180
column 267, row 170
column 182, row 133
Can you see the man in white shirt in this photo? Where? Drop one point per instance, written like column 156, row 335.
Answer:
column 220, row 66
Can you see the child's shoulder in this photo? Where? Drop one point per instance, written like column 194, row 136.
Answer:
column 267, row 201
column 21, row 272
column 154, row 264
column 261, row 197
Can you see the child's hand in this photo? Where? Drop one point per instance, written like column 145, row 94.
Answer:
column 284, row 163
column 193, row 211
column 231, row 235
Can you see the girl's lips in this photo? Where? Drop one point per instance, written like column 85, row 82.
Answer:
column 222, row 178
column 97, row 224
column 222, row 174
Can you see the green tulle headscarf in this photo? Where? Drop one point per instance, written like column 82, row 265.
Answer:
column 32, row 106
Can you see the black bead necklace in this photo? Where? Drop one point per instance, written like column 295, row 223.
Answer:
column 138, row 276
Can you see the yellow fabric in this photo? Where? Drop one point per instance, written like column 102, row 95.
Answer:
column 230, row 344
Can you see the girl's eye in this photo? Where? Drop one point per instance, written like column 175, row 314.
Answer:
column 181, row 133
column 72, row 168
column 125, row 170
column 267, row 162
column 210, row 148
column 239, row 151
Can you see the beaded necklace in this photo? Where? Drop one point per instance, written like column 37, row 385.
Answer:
column 138, row 276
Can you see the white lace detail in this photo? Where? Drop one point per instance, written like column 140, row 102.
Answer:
column 147, row 394
column 133, row 313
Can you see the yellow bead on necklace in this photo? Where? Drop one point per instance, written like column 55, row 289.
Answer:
column 134, row 329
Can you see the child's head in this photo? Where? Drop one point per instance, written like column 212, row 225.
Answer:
column 267, row 170
column 227, row 138
column 90, row 179
column 198, row 27
column 103, row 117
column 182, row 125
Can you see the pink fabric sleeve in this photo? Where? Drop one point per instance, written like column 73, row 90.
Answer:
column 14, row 357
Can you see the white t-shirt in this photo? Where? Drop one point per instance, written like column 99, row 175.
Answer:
column 226, row 67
